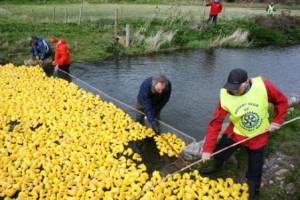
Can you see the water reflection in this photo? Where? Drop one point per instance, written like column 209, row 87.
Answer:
column 209, row 61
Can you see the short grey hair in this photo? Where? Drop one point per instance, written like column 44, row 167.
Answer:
column 160, row 79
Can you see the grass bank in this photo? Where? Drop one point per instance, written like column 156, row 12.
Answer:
column 153, row 29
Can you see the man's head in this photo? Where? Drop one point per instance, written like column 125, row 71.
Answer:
column 216, row 1
column 33, row 40
column 159, row 84
column 237, row 81
column 53, row 40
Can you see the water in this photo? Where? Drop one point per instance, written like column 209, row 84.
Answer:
column 196, row 78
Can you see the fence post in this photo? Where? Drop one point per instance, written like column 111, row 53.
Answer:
column 32, row 15
column 204, row 5
column 66, row 15
column 127, row 39
column 80, row 14
column 121, row 12
column 53, row 19
column 116, row 23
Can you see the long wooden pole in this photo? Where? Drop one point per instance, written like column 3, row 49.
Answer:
column 233, row 145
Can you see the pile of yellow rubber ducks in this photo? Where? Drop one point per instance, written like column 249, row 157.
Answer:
column 169, row 144
column 58, row 141
column 192, row 186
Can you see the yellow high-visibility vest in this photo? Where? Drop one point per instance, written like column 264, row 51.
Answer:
column 248, row 112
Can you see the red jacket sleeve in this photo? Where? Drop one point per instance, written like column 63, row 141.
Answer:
column 213, row 129
column 279, row 100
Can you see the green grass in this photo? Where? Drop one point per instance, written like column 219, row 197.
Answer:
column 87, row 42
column 93, row 38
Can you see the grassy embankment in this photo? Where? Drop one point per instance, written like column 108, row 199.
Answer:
column 153, row 29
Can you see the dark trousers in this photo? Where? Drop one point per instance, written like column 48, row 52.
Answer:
column 61, row 74
column 212, row 18
column 65, row 68
column 255, row 158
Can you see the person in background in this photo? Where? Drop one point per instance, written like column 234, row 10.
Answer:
column 153, row 95
column 215, row 8
column 62, row 57
column 41, row 52
column 247, row 102
column 271, row 9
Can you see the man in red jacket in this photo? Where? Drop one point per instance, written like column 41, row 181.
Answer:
column 215, row 9
column 62, row 58
column 246, row 101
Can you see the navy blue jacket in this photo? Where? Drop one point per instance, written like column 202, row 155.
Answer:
column 42, row 49
column 152, row 103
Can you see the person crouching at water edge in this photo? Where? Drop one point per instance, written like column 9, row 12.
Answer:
column 41, row 52
column 62, row 58
column 153, row 95
column 247, row 102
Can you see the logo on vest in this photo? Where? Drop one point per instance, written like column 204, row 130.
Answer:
column 250, row 121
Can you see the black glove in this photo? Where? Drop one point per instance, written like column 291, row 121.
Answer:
column 155, row 126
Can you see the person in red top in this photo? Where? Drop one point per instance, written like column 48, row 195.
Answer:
column 215, row 9
column 252, row 96
column 62, row 58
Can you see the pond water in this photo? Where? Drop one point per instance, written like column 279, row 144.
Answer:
column 196, row 76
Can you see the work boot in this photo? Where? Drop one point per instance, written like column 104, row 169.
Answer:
column 213, row 167
column 254, row 187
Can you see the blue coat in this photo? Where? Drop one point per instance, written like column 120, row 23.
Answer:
column 152, row 103
column 42, row 49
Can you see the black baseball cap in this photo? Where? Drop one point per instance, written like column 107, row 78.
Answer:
column 235, row 79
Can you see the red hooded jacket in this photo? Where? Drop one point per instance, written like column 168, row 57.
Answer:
column 62, row 54
column 215, row 8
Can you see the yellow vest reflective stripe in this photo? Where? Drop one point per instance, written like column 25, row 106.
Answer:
column 248, row 112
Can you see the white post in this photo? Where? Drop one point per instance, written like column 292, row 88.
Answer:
column 204, row 5
column 66, row 15
column 127, row 41
column 116, row 23
column 80, row 14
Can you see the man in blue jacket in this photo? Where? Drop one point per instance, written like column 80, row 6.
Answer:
column 41, row 52
column 153, row 95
